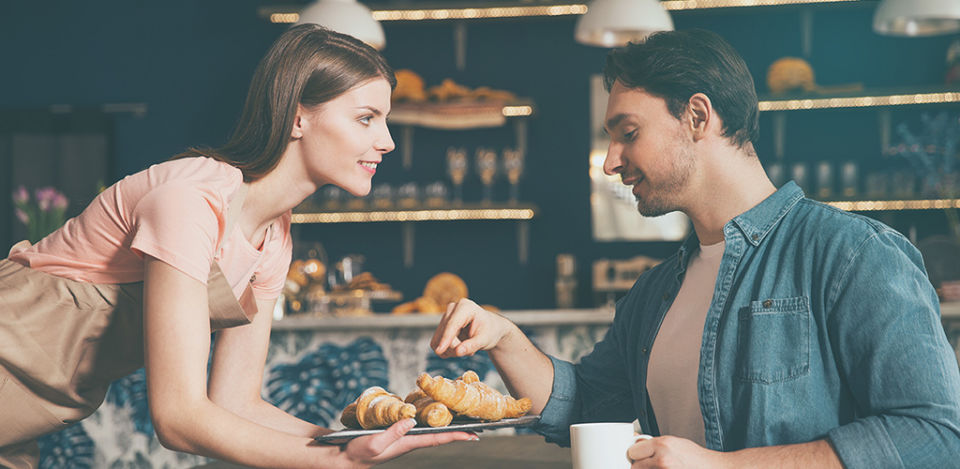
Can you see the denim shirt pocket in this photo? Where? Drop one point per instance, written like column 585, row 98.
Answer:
column 773, row 340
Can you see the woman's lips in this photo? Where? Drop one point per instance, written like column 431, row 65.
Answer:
column 369, row 166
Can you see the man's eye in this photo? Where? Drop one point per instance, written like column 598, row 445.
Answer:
column 630, row 135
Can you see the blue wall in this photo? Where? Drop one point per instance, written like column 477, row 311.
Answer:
column 190, row 62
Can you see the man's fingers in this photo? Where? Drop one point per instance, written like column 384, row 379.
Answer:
column 641, row 450
column 456, row 321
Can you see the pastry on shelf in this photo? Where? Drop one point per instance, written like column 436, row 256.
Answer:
column 410, row 86
column 376, row 408
column 490, row 94
column 366, row 281
column 470, row 397
column 448, row 90
column 429, row 412
column 420, row 305
column 445, row 288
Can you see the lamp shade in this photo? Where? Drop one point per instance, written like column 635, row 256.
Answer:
column 347, row 17
column 613, row 23
column 917, row 17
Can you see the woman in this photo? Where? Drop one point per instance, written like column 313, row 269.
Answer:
column 195, row 244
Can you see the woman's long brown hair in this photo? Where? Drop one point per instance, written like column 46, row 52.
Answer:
column 307, row 65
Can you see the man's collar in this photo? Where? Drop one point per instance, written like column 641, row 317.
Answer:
column 757, row 222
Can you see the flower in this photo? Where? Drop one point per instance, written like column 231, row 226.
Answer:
column 44, row 214
column 934, row 153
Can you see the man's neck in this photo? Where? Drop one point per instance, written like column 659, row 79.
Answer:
column 730, row 185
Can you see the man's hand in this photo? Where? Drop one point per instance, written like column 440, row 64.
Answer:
column 673, row 453
column 370, row 450
column 466, row 328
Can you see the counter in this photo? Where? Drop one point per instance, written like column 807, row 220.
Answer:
column 315, row 366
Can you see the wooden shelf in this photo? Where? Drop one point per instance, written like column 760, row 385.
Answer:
column 459, row 115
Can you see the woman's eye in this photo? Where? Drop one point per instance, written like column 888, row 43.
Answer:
column 365, row 120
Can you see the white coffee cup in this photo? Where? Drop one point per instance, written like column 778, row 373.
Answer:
column 602, row 445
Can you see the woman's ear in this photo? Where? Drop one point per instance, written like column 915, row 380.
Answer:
column 298, row 122
column 700, row 115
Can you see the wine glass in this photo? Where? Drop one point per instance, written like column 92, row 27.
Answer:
column 457, row 168
column 487, row 169
column 513, row 166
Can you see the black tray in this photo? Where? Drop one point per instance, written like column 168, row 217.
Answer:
column 344, row 436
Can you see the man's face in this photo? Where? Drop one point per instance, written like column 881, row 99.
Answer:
column 650, row 149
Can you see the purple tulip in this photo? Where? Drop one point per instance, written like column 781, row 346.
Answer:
column 22, row 216
column 45, row 196
column 60, row 201
column 21, row 196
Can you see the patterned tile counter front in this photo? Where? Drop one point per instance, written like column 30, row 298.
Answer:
column 315, row 367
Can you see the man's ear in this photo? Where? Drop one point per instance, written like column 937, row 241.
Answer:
column 297, row 131
column 700, row 115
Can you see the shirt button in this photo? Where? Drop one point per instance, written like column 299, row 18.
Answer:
column 253, row 278
column 767, row 303
column 644, row 350
column 754, row 236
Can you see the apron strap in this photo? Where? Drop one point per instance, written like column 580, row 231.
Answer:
column 225, row 309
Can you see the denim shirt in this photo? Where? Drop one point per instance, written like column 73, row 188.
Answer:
column 823, row 325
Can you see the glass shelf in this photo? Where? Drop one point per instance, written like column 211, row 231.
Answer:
column 877, row 205
column 464, row 212
column 863, row 98
column 519, row 213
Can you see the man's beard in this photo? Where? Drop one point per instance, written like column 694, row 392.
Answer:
column 662, row 198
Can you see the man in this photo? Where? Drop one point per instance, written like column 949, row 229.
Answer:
column 784, row 333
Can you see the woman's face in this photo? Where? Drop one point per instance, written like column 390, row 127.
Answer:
column 344, row 139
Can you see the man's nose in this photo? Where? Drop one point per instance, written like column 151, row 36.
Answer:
column 612, row 164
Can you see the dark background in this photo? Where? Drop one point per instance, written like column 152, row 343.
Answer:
column 190, row 61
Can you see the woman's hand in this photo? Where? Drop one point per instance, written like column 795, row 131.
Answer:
column 367, row 451
column 466, row 328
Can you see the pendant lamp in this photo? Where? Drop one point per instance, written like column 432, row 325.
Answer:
column 917, row 17
column 614, row 23
column 347, row 17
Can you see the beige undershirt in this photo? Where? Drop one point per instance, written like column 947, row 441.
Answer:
column 675, row 356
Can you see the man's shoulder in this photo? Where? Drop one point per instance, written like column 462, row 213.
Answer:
column 817, row 219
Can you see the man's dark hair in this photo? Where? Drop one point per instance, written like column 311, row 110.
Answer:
column 675, row 65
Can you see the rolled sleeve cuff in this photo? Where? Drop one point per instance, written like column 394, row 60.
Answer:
column 559, row 412
column 864, row 444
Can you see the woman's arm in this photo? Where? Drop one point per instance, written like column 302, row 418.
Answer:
column 176, row 346
column 236, row 377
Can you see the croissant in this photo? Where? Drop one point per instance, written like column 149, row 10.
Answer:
column 472, row 398
column 377, row 408
column 429, row 411
column 349, row 416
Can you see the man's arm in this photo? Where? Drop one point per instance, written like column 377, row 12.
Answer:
column 676, row 453
column 466, row 329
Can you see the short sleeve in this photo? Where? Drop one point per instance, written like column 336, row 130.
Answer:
column 272, row 271
column 180, row 225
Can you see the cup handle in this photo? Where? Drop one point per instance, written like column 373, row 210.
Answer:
column 637, row 438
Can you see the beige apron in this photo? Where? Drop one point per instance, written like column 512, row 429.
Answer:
column 63, row 342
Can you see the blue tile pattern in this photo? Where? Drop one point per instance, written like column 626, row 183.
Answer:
column 70, row 448
column 325, row 380
column 131, row 391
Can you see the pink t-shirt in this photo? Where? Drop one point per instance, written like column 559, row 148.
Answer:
column 174, row 211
